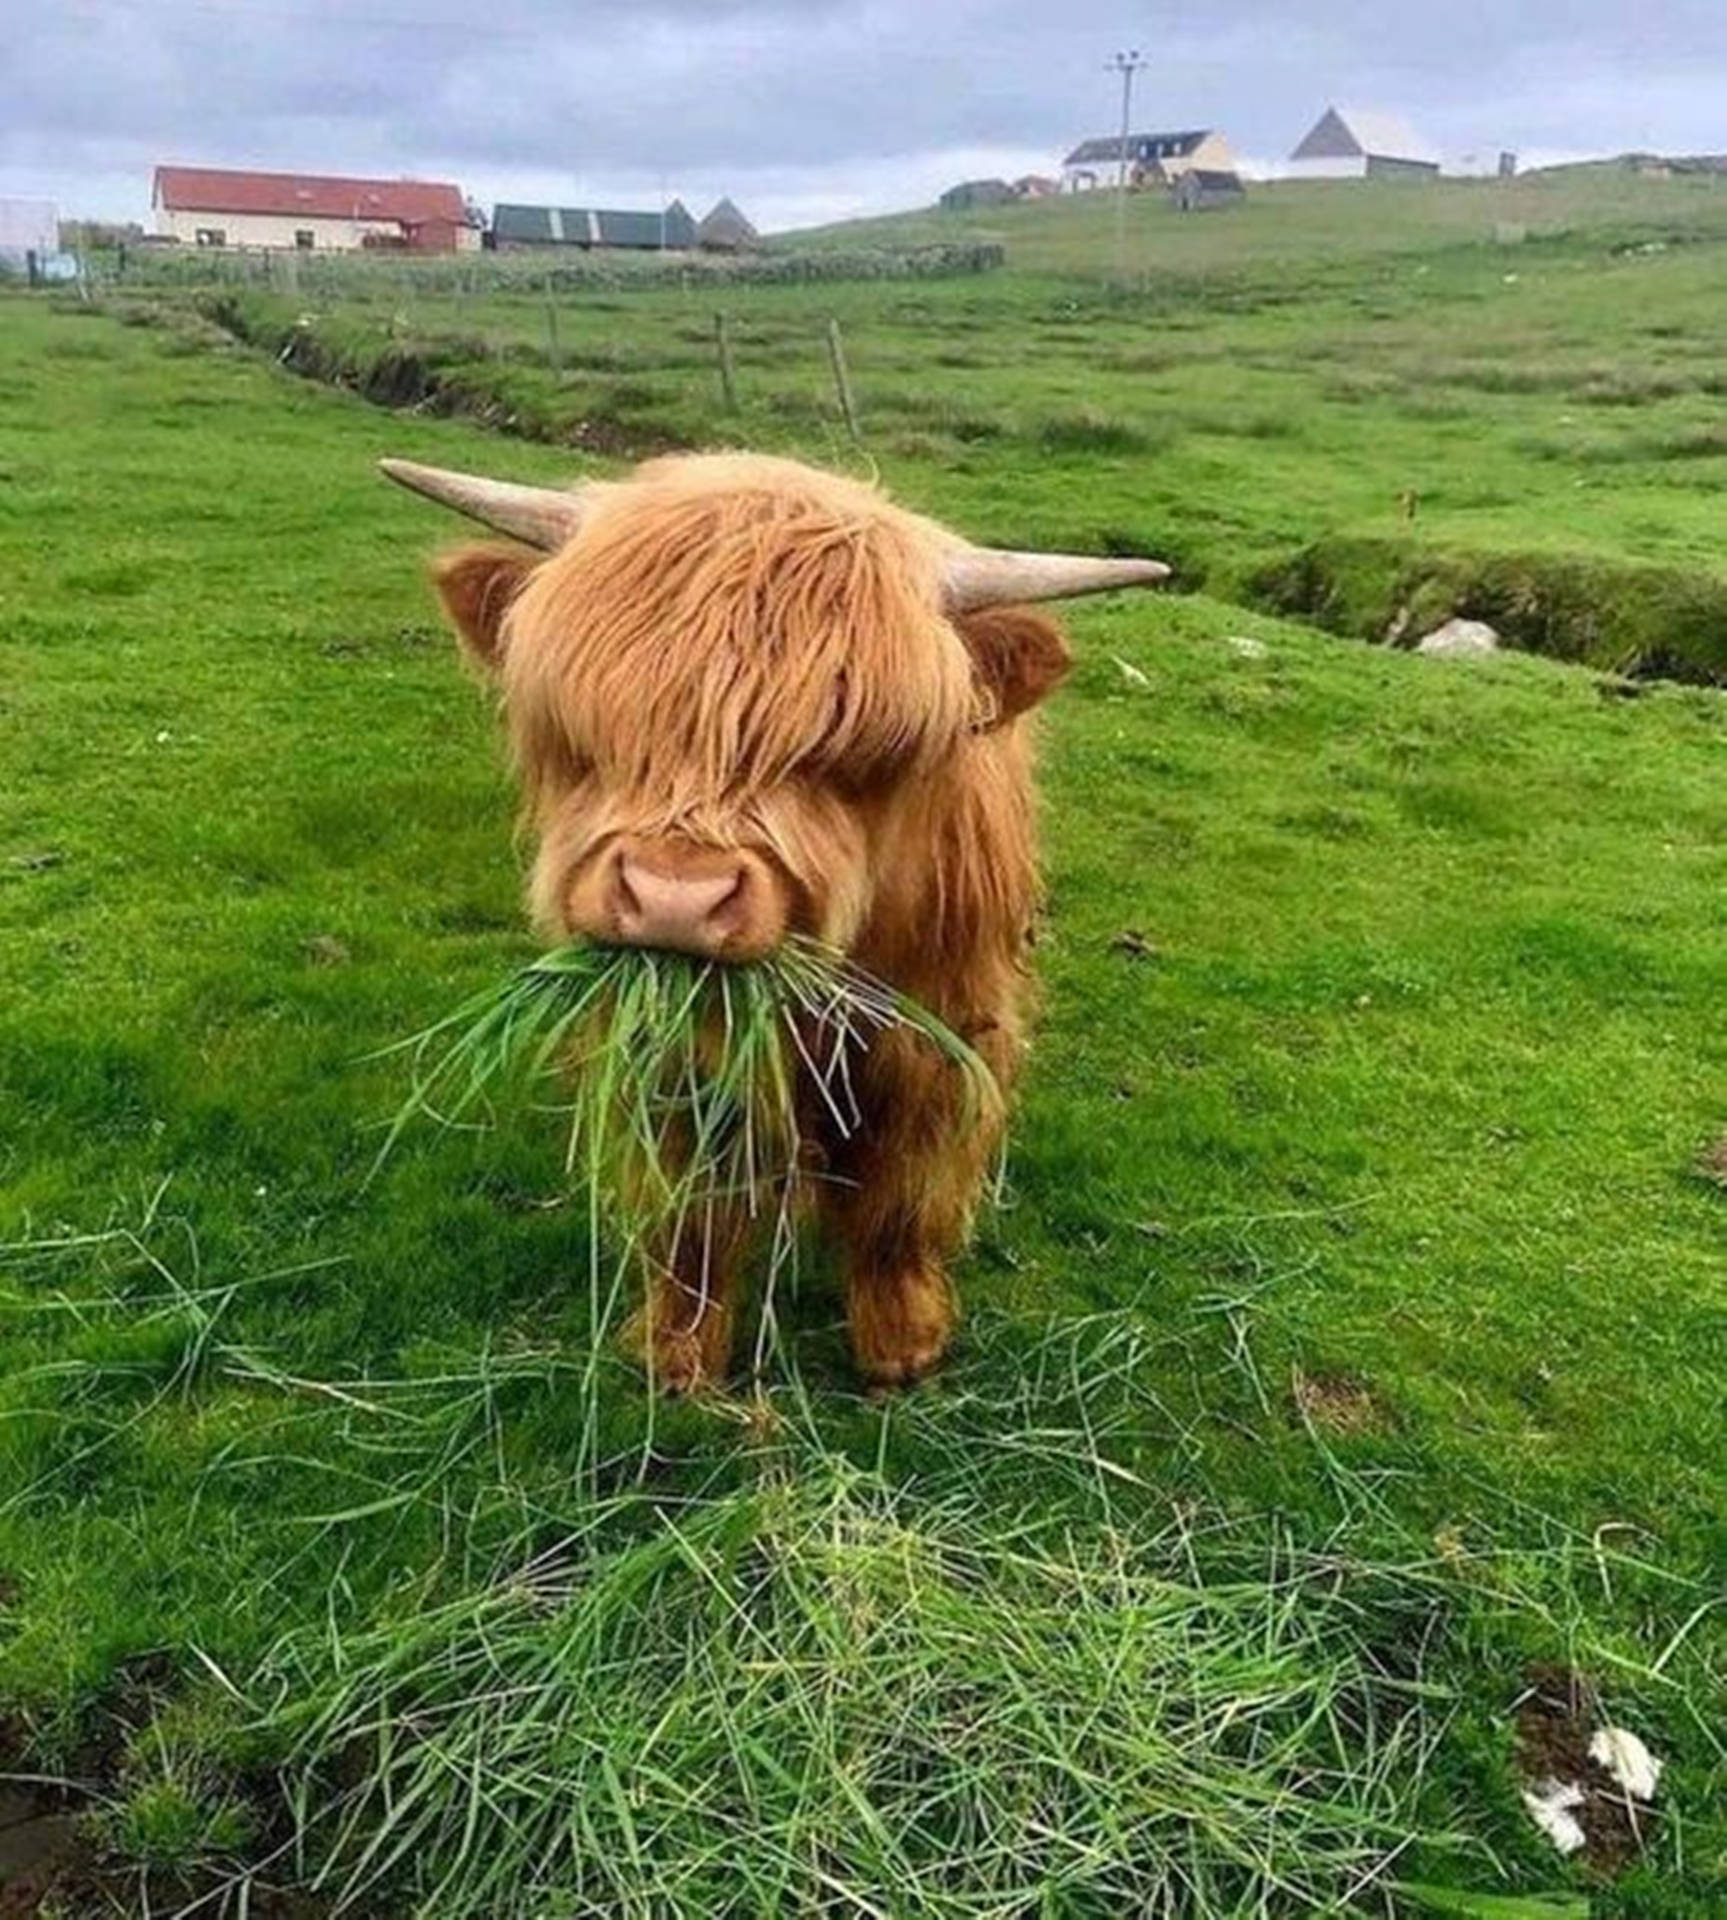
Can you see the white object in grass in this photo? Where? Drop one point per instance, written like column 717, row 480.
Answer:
column 1459, row 640
column 1247, row 646
column 1628, row 1760
column 1130, row 673
column 1550, row 1805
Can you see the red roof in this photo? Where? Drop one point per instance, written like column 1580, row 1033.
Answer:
column 317, row 196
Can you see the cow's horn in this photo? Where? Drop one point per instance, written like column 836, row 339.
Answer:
column 543, row 516
column 989, row 577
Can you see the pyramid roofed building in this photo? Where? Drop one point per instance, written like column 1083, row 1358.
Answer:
column 1357, row 143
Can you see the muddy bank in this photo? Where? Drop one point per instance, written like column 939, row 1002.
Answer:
column 452, row 375
column 41, row 1852
column 55, row 1863
column 1644, row 622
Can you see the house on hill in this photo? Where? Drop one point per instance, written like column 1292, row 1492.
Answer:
column 1347, row 144
column 1153, row 159
column 970, row 194
column 1203, row 189
column 217, row 207
column 515, row 226
column 723, row 229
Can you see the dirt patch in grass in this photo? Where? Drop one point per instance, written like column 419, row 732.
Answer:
column 40, row 1858
column 325, row 950
column 1711, row 1163
column 1132, row 944
column 52, row 1865
column 1554, row 1722
column 1339, row 1403
column 42, row 1855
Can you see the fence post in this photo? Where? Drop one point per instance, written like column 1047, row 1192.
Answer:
column 842, row 379
column 728, row 373
column 554, row 352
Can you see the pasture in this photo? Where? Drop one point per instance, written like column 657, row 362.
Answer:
column 1345, row 1351
column 1530, row 433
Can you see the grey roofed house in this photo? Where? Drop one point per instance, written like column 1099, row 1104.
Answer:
column 1352, row 143
column 523, row 226
column 724, row 229
column 1153, row 159
column 977, row 193
column 1202, row 187
column 1140, row 146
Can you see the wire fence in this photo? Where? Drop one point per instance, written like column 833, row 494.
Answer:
column 287, row 270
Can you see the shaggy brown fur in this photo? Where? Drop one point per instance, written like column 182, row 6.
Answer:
column 742, row 653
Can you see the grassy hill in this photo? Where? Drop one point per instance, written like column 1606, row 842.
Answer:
column 1346, row 1350
column 1311, row 222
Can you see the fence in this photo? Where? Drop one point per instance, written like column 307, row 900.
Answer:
column 287, row 271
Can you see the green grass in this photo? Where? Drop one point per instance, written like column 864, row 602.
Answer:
column 1381, row 1035
column 826, row 1695
column 1346, row 402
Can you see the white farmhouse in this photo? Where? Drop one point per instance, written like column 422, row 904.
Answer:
column 1346, row 143
column 1153, row 159
column 219, row 207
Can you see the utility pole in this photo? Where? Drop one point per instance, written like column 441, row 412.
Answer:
column 1127, row 65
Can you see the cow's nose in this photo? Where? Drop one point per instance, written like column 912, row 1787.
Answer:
column 688, row 912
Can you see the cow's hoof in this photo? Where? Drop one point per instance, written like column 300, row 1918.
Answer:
column 884, row 1374
column 901, row 1328
column 677, row 1362
column 677, row 1366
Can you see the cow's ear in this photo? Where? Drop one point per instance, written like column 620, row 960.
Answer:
column 477, row 586
column 1019, row 657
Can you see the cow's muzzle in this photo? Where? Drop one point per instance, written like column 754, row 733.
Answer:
column 716, row 903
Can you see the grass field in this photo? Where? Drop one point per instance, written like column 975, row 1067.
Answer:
column 1350, row 1336
column 1352, row 405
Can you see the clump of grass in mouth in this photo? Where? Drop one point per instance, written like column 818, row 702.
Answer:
column 688, row 1079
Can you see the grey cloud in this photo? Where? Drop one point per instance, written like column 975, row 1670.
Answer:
column 809, row 90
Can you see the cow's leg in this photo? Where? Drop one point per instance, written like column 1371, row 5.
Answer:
column 900, row 1213
column 683, row 1332
column 901, row 1310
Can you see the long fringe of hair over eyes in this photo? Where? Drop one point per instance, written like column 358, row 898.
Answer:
column 723, row 623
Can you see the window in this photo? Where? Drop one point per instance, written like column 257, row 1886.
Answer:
column 303, row 237
column 212, row 236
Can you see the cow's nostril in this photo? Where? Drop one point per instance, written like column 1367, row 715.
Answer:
column 726, row 910
column 624, row 900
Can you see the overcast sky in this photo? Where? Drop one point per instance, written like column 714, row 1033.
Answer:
column 806, row 110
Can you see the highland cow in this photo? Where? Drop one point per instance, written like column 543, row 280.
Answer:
column 749, row 699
